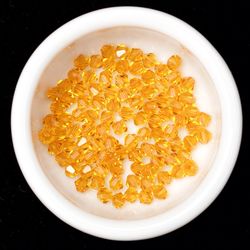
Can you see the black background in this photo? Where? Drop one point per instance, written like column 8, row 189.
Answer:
column 27, row 224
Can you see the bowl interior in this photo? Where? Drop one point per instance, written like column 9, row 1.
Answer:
column 150, row 41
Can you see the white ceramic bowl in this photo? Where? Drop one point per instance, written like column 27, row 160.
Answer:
column 216, row 94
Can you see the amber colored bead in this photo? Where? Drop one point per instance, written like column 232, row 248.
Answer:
column 126, row 113
column 148, row 149
column 160, row 191
column 149, row 60
column 113, row 105
column 116, row 170
column 144, row 133
column 83, row 182
column 146, row 184
column 130, row 139
column 140, row 118
column 81, row 62
column 136, row 83
column 122, row 66
column 95, row 61
column 115, row 183
column 204, row 119
column 74, row 75
column 118, row 200
column 104, row 194
column 135, row 155
column 97, row 182
column 70, row 172
column 108, row 51
column 188, row 84
column 202, row 135
column 133, row 181
column 174, row 62
column 190, row 167
column 119, row 127
column 135, row 54
column 137, row 168
column 122, row 51
column 164, row 177
column 148, row 77
column 190, row 142
column 136, row 68
column 123, row 95
column 162, row 70
column 131, row 195
column 145, row 197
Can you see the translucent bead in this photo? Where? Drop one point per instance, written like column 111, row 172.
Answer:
column 187, row 84
column 95, row 61
column 202, row 135
column 108, row 51
column 106, row 116
column 130, row 138
column 104, row 194
column 136, row 102
column 148, row 77
column 115, row 183
column 97, row 182
column 105, row 76
column 140, row 118
column 174, row 62
column 116, row 170
column 70, row 171
column 148, row 149
column 204, row 119
column 145, row 197
column 81, row 62
column 164, row 177
column 126, row 113
column 108, row 64
column 162, row 70
column 133, row 181
column 160, row 191
column 146, row 184
column 155, row 121
column 157, row 133
column 74, row 75
column 131, row 195
column 123, row 95
column 82, row 183
column 189, row 142
column 190, row 167
column 119, row 127
column 118, row 200
column 149, row 60
column 136, row 83
column 149, row 92
column 122, row 66
column 135, row 54
column 136, row 68
column 137, row 168
column 122, row 51
column 144, row 133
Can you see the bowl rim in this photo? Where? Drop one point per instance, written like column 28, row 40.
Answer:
column 231, row 130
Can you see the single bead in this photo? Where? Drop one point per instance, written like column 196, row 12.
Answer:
column 104, row 194
column 118, row 200
column 174, row 62
column 160, row 191
column 145, row 197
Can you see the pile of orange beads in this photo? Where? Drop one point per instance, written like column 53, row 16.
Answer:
column 87, row 130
